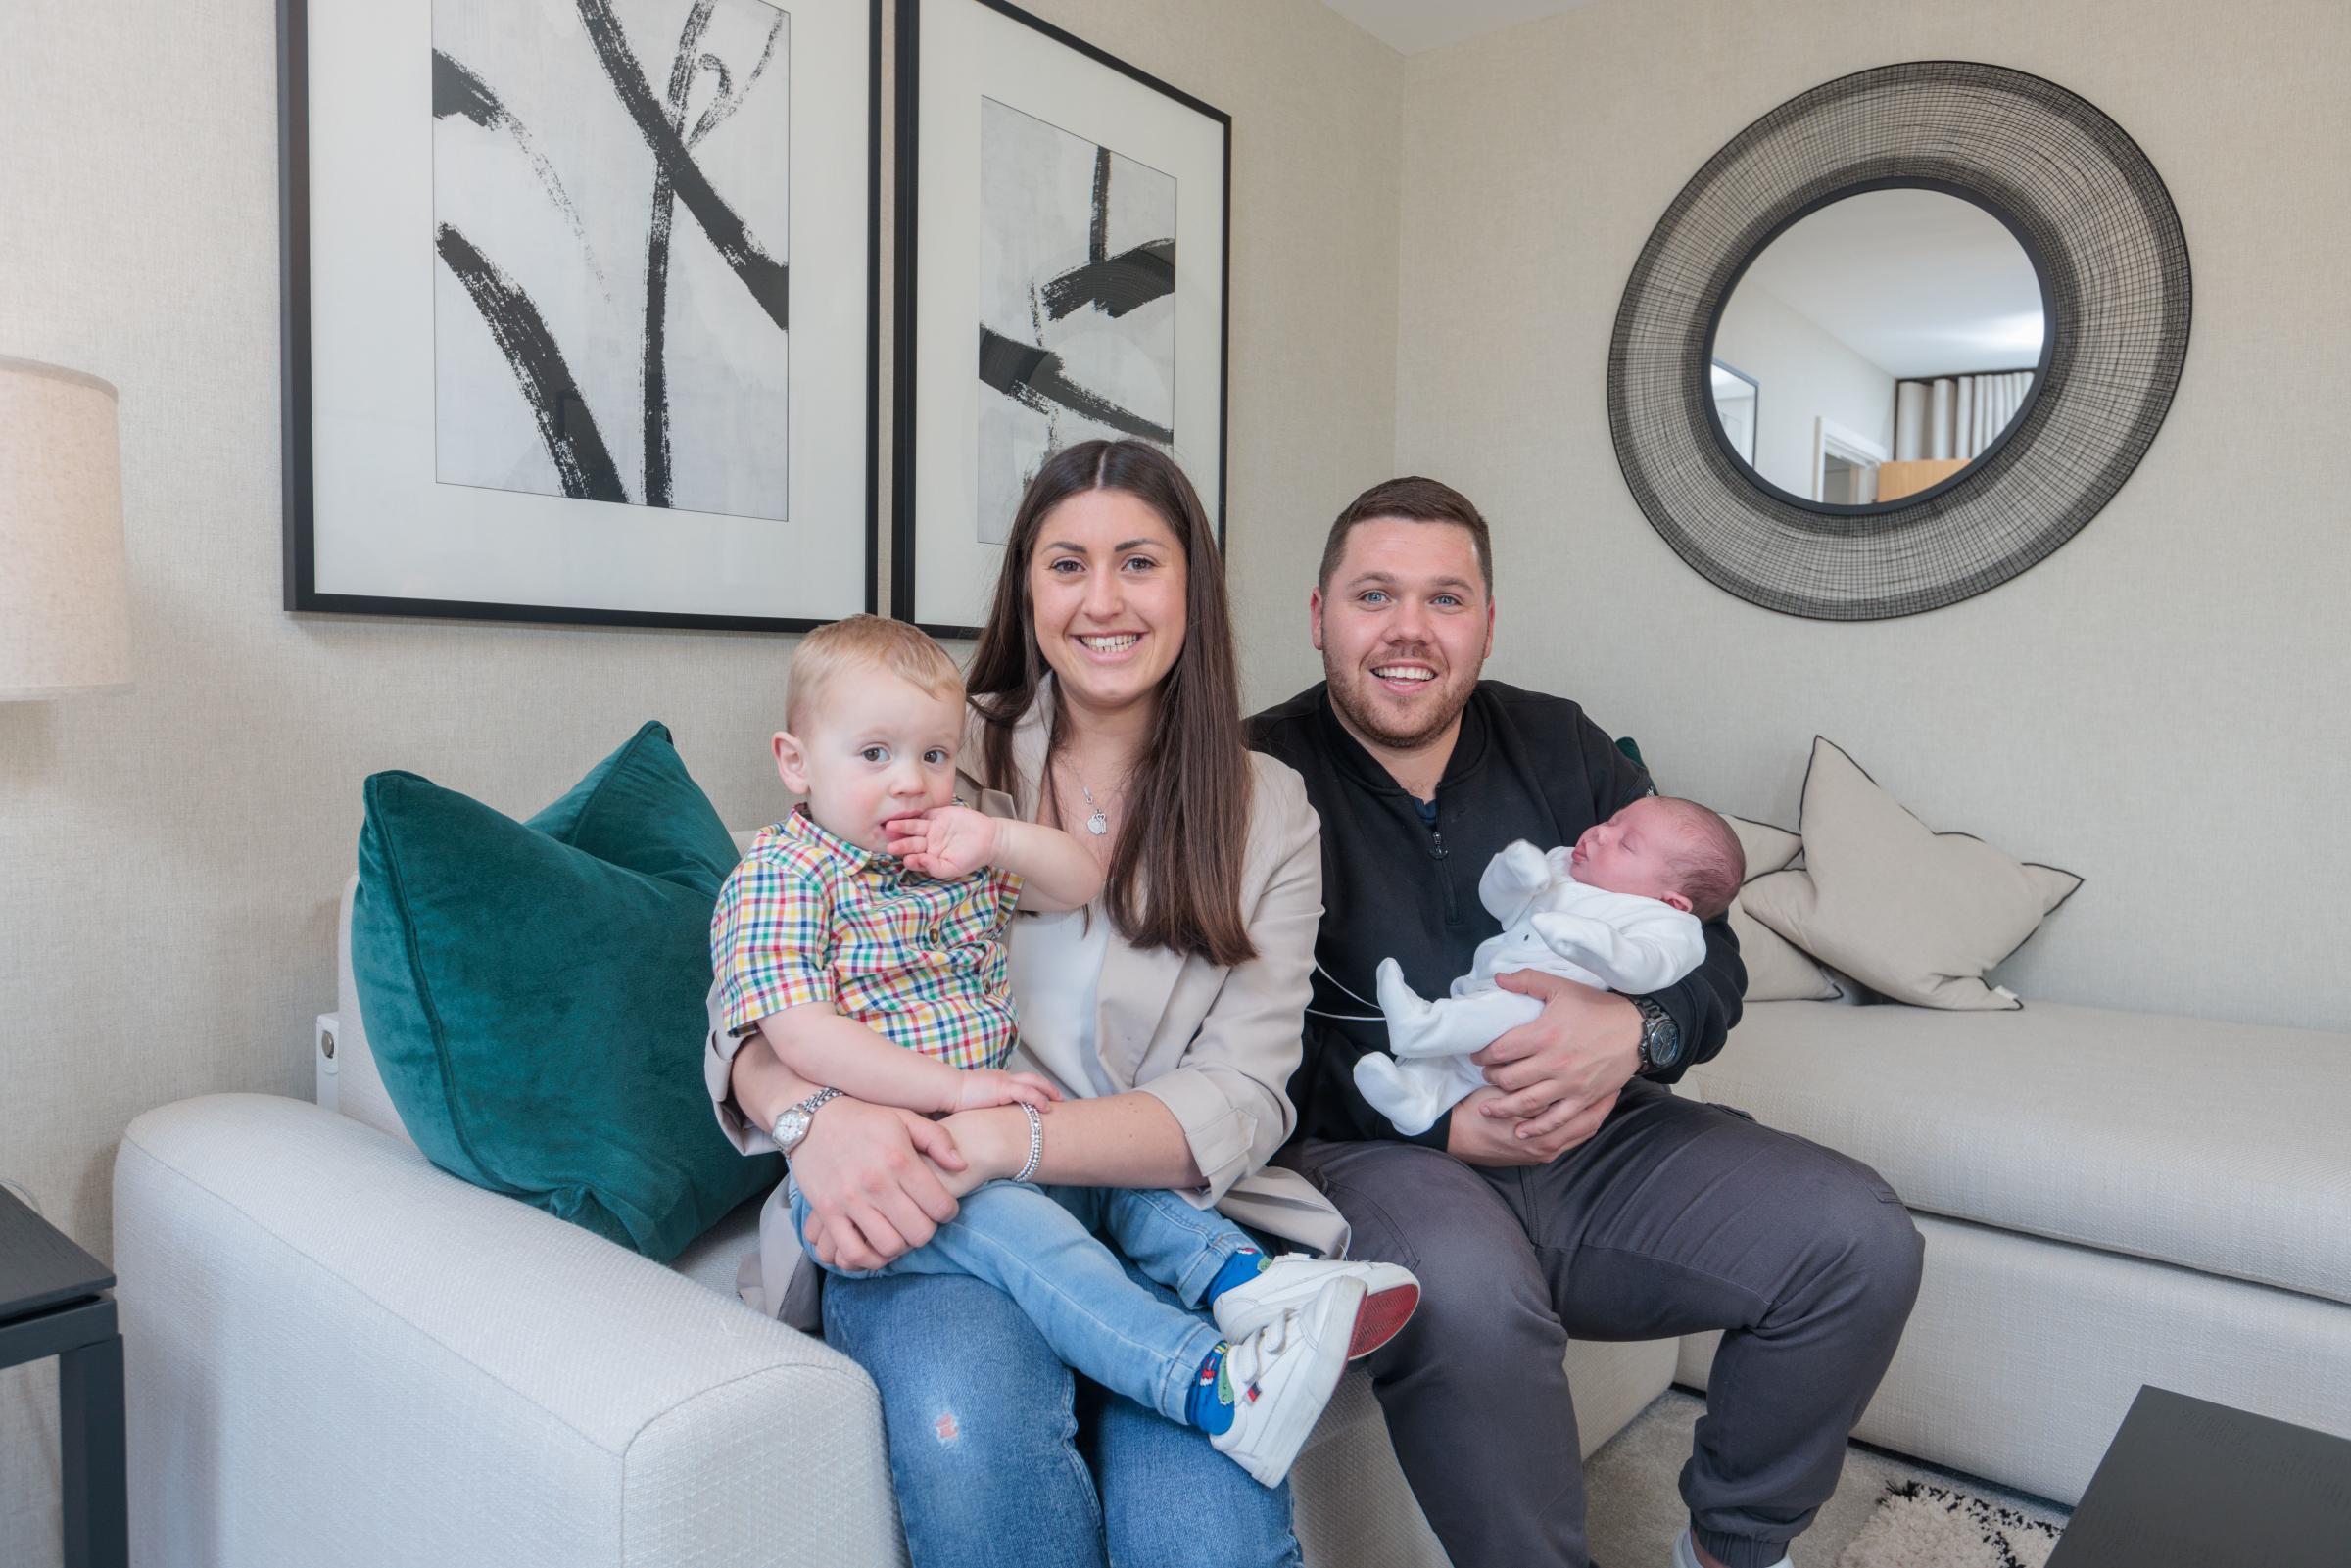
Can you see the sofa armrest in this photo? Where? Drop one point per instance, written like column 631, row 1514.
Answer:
column 338, row 1353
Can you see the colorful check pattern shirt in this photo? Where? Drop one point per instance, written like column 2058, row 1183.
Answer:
column 808, row 917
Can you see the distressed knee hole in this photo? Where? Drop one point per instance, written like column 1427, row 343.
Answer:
column 947, row 1428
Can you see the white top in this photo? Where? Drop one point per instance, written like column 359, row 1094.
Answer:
column 1057, row 982
column 1553, row 923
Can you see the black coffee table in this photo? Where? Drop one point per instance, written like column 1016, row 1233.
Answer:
column 54, row 1302
column 2189, row 1484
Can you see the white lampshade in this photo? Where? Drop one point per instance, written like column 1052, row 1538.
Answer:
column 65, row 587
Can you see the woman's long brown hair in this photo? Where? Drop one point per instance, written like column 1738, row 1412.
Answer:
column 1176, row 871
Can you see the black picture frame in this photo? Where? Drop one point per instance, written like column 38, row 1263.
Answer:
column 906, row 344
column 297, row 468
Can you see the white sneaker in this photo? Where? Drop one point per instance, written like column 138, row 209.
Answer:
column 1282, row 1375
column 1390, row 1296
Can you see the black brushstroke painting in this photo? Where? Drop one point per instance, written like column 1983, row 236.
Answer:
column 1036, row 377
column 458, row 92
column 760, row 273
column 1114, row 284
column 582, row 461
column 1097, row 228
column 613, row 158
column 1078, row 301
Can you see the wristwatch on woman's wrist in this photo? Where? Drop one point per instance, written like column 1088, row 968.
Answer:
column 793, row 1122
column 1660, row 1037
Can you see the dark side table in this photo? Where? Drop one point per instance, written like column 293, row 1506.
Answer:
column 54, row 1302
column 2189, row 1484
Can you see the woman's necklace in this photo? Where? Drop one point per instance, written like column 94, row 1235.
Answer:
column 1097, row 823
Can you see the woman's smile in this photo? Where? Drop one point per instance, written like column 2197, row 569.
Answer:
column 1108, row 648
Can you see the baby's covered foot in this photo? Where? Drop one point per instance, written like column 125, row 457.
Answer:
column 1379, row 1080
column 1401, row 1004
column 1385, row 1087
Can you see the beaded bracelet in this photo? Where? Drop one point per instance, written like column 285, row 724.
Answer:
column 1036, row 1140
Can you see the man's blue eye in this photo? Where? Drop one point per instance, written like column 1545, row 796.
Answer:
column 1447, row 599
column 1373, row 595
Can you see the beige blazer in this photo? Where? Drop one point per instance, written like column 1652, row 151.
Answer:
column 1216, row 1046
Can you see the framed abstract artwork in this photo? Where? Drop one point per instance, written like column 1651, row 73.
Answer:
column 1063, row 261
column 580, row 309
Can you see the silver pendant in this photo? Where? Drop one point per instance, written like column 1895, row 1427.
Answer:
column 1097, row 825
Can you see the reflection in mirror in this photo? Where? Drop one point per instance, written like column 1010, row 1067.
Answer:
column 1899, row 331
column 1735, row 406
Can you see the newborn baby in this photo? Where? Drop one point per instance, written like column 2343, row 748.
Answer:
column 1621, row 910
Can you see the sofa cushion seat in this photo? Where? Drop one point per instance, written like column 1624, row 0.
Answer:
column 2219, row 1147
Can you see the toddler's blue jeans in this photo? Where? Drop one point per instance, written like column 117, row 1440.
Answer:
column 1050, row 1250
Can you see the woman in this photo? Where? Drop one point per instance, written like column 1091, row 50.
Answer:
column 1103, row 701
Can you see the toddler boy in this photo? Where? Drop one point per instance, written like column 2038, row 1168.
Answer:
column 863, row 936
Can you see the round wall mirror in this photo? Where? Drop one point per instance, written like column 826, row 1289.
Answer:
column 1877, row 346
column 1898, row 340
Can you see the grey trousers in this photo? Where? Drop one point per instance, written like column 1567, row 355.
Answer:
column 1676, row 1217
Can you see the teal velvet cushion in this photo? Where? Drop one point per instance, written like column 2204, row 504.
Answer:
column 533, row 992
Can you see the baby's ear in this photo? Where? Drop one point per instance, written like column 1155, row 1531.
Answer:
column 791, row 762
column 1680, row 901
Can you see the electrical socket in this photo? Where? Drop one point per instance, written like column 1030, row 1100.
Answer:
column 326, row 1057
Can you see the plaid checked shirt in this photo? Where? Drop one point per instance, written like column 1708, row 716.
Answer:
column 808, row 917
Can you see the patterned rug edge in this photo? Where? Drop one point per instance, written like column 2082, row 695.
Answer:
column 1922, row 1526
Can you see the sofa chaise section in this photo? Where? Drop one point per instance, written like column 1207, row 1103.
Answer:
column 2109, row 1199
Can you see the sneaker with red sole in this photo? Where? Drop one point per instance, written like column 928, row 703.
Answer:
column 1391, row 1295
column 1283, row 1374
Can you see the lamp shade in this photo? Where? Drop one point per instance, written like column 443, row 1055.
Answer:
column 65, row 587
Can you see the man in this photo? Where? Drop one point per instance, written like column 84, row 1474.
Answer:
column 1574, row 1196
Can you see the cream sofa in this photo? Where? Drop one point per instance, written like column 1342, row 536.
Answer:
column 2109, row 1199
column 339, row 1355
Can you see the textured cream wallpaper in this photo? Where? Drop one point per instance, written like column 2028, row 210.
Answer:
column 2158, row 706
column 170, row 858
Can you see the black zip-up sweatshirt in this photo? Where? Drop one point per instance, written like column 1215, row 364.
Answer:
column 1398, row 885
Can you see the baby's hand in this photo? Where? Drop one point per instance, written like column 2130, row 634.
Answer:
column 945, row 842
column 980, row 1087
column 1527, row 868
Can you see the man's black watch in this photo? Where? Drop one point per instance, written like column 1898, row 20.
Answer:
column 1660, row 1037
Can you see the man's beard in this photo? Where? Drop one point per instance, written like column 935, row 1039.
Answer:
column 1352, row 693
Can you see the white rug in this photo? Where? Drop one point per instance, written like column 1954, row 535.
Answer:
column 1922, row 1526
column 1637, row 1511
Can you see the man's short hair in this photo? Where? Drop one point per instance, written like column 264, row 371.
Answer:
column 866, row 645
column 1415, row 500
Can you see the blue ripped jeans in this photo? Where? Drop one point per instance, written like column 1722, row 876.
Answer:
column 1045, row 1248
column 1000, row 1453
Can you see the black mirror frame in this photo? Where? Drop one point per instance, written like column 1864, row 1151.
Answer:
column 2105, row 240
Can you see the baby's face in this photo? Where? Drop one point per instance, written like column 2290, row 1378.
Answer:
column 1632, row 852
column 877, row 747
